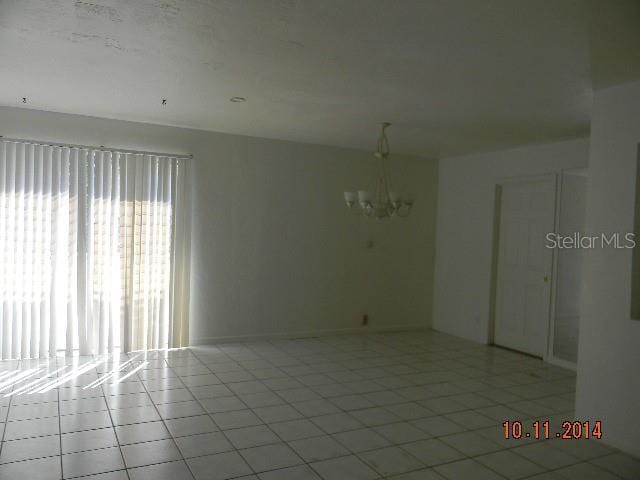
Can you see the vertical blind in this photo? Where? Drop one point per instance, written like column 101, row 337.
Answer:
column 87, row 250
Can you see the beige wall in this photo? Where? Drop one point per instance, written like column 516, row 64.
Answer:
column 274, row 249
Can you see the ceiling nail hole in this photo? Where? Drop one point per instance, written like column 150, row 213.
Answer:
column 237, row 99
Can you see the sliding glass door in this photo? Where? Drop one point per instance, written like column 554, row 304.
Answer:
column 87, row 250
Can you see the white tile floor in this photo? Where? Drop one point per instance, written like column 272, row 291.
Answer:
column 404, row 406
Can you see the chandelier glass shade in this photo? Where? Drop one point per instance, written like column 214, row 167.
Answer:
column 384, row 201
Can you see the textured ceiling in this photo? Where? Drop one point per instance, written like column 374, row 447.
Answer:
column 453, row 76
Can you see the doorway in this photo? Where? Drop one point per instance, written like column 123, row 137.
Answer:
column 525, row 215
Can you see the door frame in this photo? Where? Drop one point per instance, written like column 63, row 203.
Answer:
column 550, row 356
column 498, row 184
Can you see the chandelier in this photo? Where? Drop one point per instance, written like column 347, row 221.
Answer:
column 384, row 202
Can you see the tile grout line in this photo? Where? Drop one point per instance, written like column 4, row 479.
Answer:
column 208, row 415
column 59, row 423
column 310, row 464
column 370, row 427
column 164, row 422
column 307, row 358
column 266, row 425
column 6, row 420
column 113, row 427
column 281, row 440
column 350, row 452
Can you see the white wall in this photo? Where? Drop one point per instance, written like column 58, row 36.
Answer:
column 609, row 345
column 274, row 249
column 464, row 232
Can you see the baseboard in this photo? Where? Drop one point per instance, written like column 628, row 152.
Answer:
column 462, row 335
column 306, row 334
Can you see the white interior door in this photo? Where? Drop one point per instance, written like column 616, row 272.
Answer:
column 523, row 283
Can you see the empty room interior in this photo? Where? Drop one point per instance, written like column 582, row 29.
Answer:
column 319, row 239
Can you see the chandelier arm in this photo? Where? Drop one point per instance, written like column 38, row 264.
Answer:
column 391, row 210
column 406, row 214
